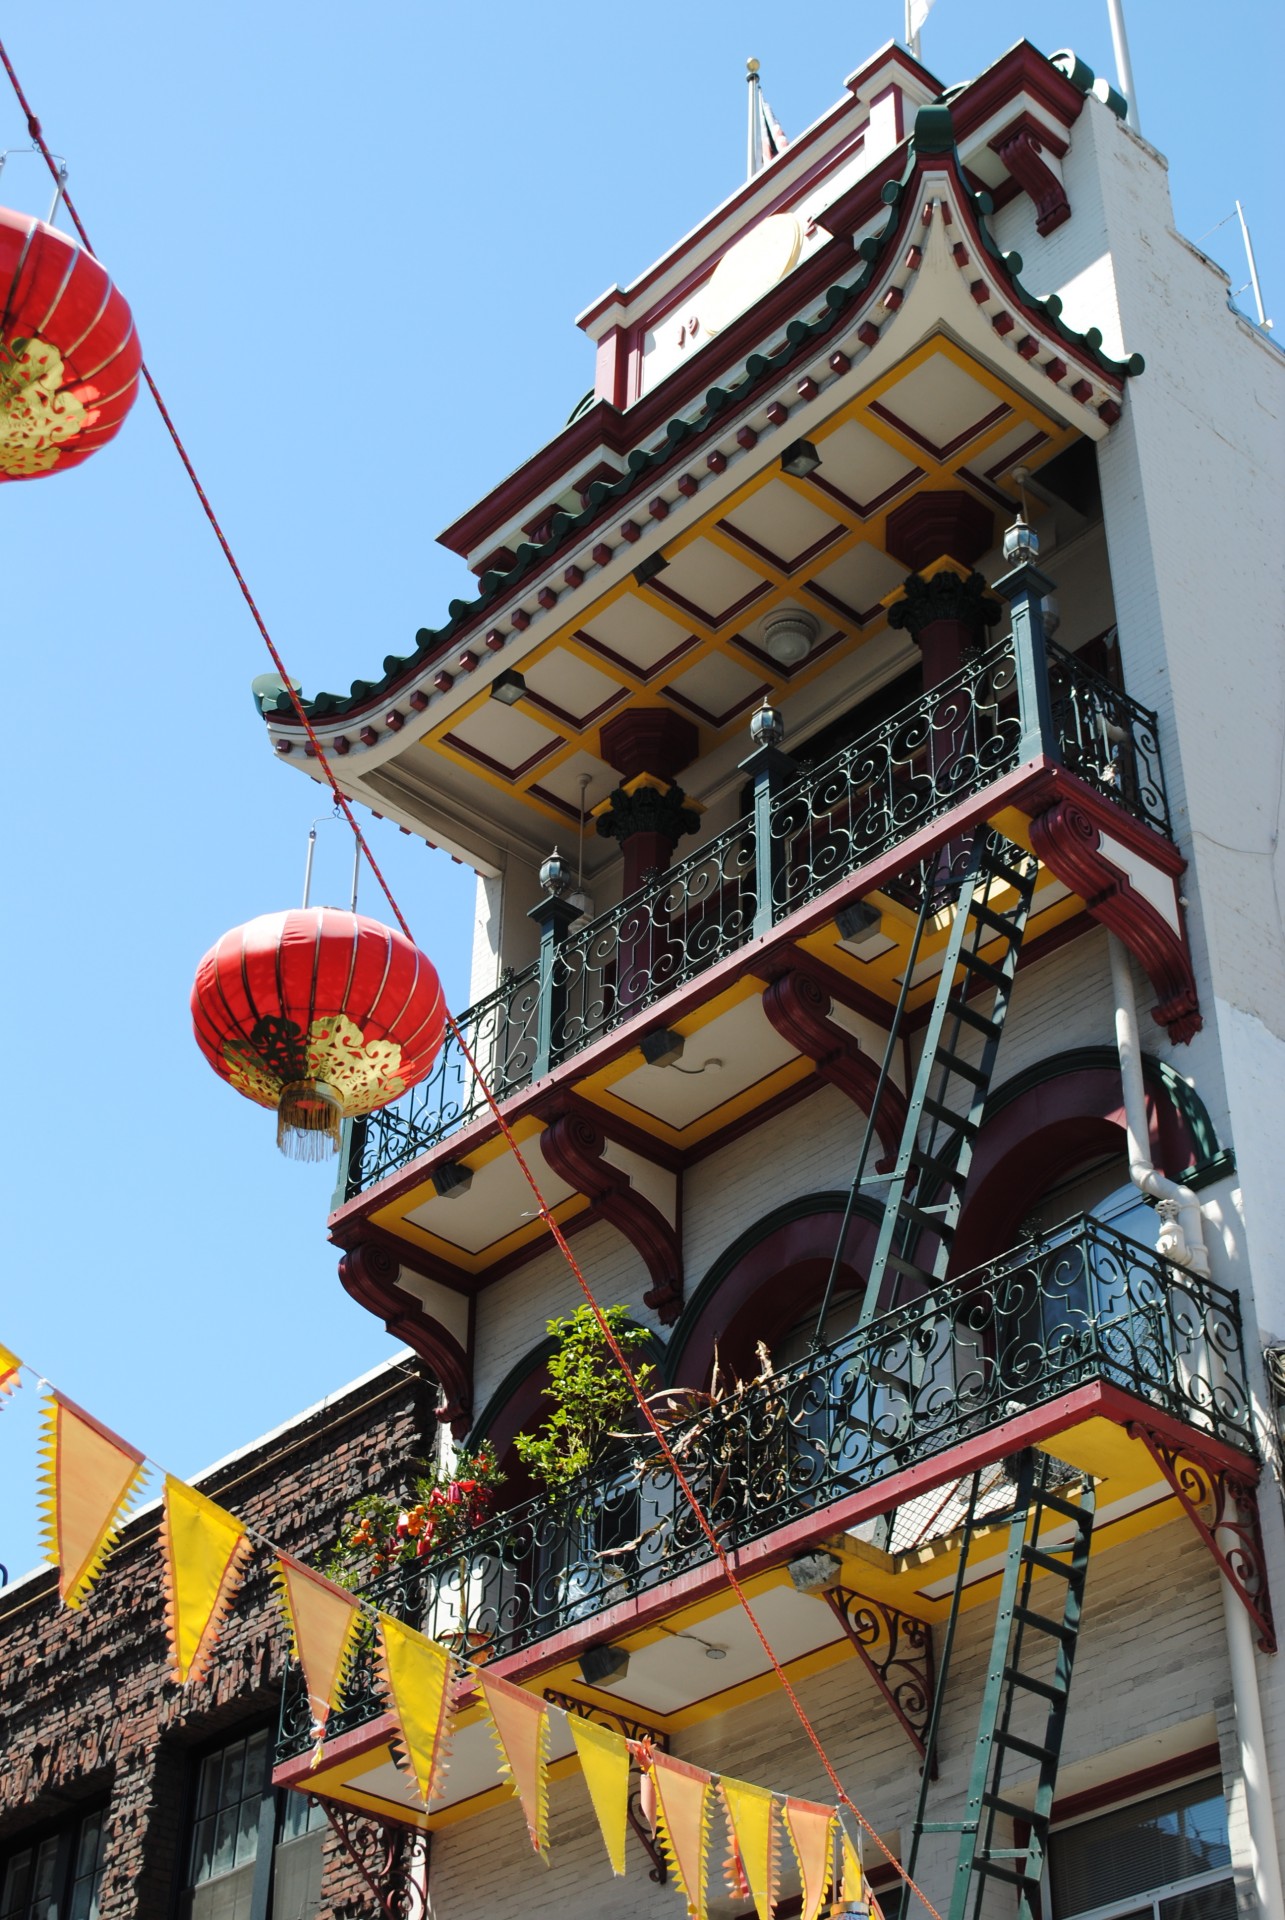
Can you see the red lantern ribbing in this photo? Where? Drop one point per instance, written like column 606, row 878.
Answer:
column 69, row 355
column 320, row 1014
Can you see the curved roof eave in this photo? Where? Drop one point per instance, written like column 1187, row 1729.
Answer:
column 868, row 306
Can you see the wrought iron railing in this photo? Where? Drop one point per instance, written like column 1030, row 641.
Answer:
column 828, row 822
column 1082, row 1304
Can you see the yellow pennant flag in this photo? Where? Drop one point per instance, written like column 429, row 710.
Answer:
column 684, row 1796
column 753, row 1817
column 521, row 1724
column 811, row 1830
column 87, row 1476
column 324, row 1623
column 605, row 1759
column 10, row 1370
column 205, row 1552
column 854, row 1880
column 417, row 1673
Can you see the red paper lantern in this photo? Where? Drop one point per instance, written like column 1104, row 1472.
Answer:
column 69, row 355
column 320, row 1014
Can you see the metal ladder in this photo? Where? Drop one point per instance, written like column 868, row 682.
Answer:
column 1010, row 1684
column 929, row 1176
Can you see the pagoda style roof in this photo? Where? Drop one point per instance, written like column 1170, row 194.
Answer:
column 910, row 274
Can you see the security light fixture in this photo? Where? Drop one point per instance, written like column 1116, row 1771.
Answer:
column 555, row 875
column 599, row 1666
column 767, row 729
column 789, row 636
column 508, row 687
column 648, row 569
column 451, row 1179
column 662, row 1047
column 800, row 459
column 814, row 1572
column 1021, row 543
column 857, row 921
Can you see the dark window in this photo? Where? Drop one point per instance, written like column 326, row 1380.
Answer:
column 1171, row 1848
column 253, row 1854
column 57, row 1877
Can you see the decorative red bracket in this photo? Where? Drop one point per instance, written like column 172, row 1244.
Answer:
column 797, row 1002
column 378, row 1851
column 1021, row 147
column 1068, row 839
column 370, row 1271
column 573, row 1145
column 1234, row 1535
column 897, row 1649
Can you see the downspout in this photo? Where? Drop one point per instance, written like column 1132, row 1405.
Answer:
column 1182, row 1237
column 1182, row 1241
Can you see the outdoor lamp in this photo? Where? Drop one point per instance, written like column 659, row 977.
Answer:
column 508, row 687
column 451, row 1179
column 788, row 637
column 662, row 1047
column 856, row 921
column 648, row 569
column 1021, row 543
column 601, row 1665
column 814, row 1572
column 555, row 875
column 767, row 729
column 800, row 458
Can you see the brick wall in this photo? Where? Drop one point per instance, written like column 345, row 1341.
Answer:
column 86, row 1709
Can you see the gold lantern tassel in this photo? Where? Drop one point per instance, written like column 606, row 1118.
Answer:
column 309, row 1114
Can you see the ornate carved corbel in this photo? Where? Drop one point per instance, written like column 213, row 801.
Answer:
column 370, row 1273
column 798, row 1006
column 573, row 1146
column 1231, row 1529
column 897, row 1649
column 1021, row 148
column 1069, row 842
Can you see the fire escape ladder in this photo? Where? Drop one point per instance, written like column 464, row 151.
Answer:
column 927, row 1184
column 1019, row 1677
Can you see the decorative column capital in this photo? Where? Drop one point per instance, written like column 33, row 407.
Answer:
column 644, row 805
column 947, row 594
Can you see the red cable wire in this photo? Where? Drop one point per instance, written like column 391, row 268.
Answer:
column 613, row 1345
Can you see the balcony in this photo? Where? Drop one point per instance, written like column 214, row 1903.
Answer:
column 900, row 788
column 1084, row 1341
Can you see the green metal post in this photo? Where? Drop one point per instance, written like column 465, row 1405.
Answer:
column 554, row 917
column 771, row 771
column 1024, row 589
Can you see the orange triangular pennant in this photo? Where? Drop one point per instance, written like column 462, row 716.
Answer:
column 811, row 1830
column 205, row 1550
column 324, row 1622
column 417, row 1673
column 10, row 1370
column 87, row 1476
column 684, row 1795
column 521, row 1724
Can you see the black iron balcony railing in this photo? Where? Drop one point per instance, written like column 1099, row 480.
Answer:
column 1085, row 1304
column 801, row 838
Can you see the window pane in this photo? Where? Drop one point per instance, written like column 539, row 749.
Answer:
column 300, row 1814
column 1206, row 1903
column 225, row 1833
column 233, row 1769
column 17, row 1885
column 44, row 1902
column 296, row 1878
column 208, row 1793
column 1170, row 1837
column 227, row 1898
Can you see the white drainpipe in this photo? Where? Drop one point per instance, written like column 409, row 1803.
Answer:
column 1182, row 1240
column 1182, row 1237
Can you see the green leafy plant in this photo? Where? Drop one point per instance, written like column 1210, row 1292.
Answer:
column 437, row 1517
column 592, row 1400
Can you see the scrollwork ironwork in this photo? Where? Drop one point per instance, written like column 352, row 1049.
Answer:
column 1081, row 1304
column 378, row 1850
column 897, row 1649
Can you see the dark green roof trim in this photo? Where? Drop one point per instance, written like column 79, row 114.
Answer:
column 1085, row 81
column 933, row 139
column 1212, row 1163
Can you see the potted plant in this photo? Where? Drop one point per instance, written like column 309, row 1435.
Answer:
column 592, row 1404
column 441, row 1512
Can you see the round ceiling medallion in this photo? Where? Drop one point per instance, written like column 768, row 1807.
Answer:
column 757, row 261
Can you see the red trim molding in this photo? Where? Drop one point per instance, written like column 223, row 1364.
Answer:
column 573, row 1146
column 1021, row 148
column 1067, row 839
column 798, row 1005
column 370, row 1273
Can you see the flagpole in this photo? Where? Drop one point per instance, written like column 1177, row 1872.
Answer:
column 753, row 150
column 1123, row 65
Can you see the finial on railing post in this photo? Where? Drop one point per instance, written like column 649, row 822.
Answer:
column 554, row 915
column 770, row 769
column 1025, row 587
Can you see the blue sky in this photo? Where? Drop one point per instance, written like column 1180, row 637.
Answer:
column 354, row 242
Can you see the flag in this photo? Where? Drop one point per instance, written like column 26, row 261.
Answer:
column 323, row 1622
column 87, row 1477
column 605, row 1759
column 418, row 1674
column 771, row 138
column 205, row 1550
column 684, row 1795
column 520, row 1722
column 854, row 1880
column 10, row 1368
column 811, row 1831
column 917, row 11
column 753, row 1819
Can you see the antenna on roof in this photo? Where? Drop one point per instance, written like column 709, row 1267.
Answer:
column 753, row 148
